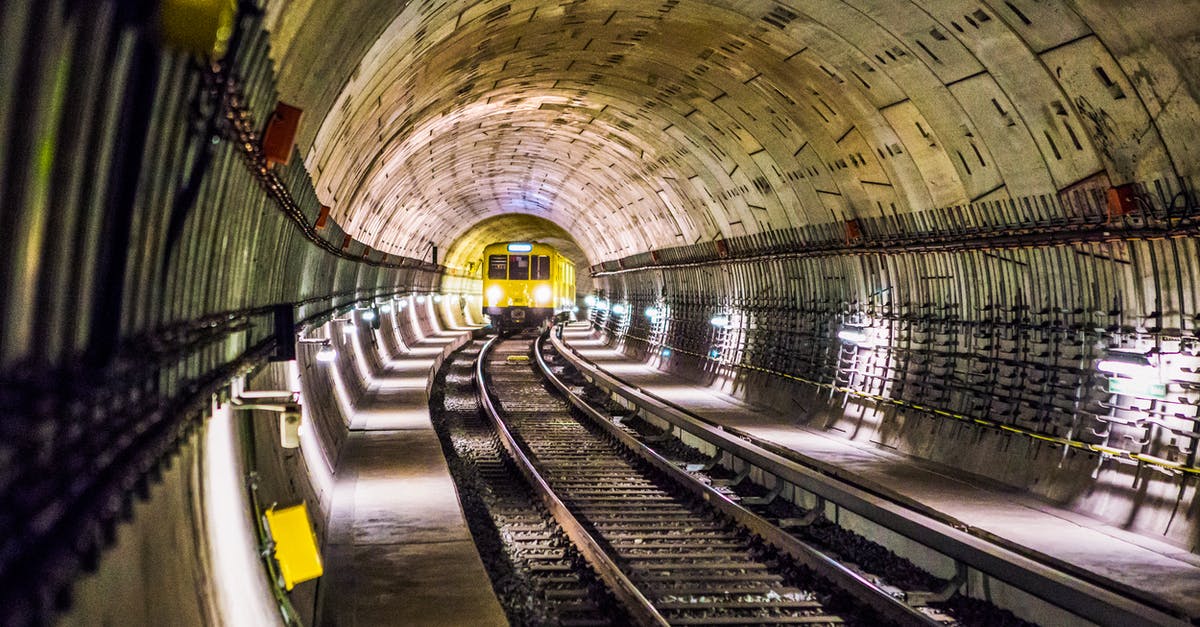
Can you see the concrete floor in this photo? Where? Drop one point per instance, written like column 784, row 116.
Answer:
column 1146, row 565
column 399, row 551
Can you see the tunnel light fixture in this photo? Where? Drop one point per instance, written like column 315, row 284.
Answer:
column 665, row 352
column 589, row 300
column 348, row 328
column 714, row 353
column 574, row 310
column 1128, row 363
column 421, row 299
column 326, row 354
column 654, row 314
column 1137, row 388
column 368, row 315
column 720, row 321
column 437, row 298
column 856, row 335
column 619, row 309
column 1137, row 374
column 602, row 305
column 520, row 247
column 385, row 308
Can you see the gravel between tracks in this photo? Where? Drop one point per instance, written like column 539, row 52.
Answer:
column 536, row 573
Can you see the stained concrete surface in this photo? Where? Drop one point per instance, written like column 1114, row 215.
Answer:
column 1151, row 567
column 399, row 551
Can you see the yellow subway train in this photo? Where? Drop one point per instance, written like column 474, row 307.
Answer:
column 525, row 284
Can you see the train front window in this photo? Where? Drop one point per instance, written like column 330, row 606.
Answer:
column 497, row 266
column 541, row 268
column 518, row 267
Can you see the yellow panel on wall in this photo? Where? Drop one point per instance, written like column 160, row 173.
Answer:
column 295, row 544
column 199, row 26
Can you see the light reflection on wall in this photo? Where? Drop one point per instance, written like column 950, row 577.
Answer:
column 360, row 359
column 239, row 577
column 316, row 458
column 341, row 394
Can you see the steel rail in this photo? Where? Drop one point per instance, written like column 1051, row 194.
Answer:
column 634, row 602
column 1066, row 590
column 843, row 577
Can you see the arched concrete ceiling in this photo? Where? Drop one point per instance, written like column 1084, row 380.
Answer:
column 639, row 125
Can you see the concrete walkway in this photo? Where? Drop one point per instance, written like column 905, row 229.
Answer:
column 399, row 551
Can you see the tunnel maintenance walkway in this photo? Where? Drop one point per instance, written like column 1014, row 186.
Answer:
column 399, row 551
column 1119, row 560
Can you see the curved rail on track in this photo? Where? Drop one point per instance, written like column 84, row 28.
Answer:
column 1076, row 595
column 855, row 584
column 622, row 588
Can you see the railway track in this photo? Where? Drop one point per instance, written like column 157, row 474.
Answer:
column 538, row 574
column 672, row 549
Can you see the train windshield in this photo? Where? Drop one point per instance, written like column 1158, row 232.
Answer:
column 541, row 268
column 518, row 267
column 497, row 266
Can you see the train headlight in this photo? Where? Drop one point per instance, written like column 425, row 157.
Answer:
column 542, row 294
column 494, row 294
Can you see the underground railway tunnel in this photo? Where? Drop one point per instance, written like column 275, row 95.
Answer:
column 943, row 252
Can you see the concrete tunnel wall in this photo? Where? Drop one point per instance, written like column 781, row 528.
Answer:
column 152, row 248
column 947, row 353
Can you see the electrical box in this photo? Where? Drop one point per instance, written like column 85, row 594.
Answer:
column 1122, row 200
column 285, row 332
column 295, row 544
column 853, row 231
column 289, row 428
column 280, row 135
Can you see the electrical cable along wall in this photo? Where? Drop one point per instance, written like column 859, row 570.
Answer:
column 148, row 250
